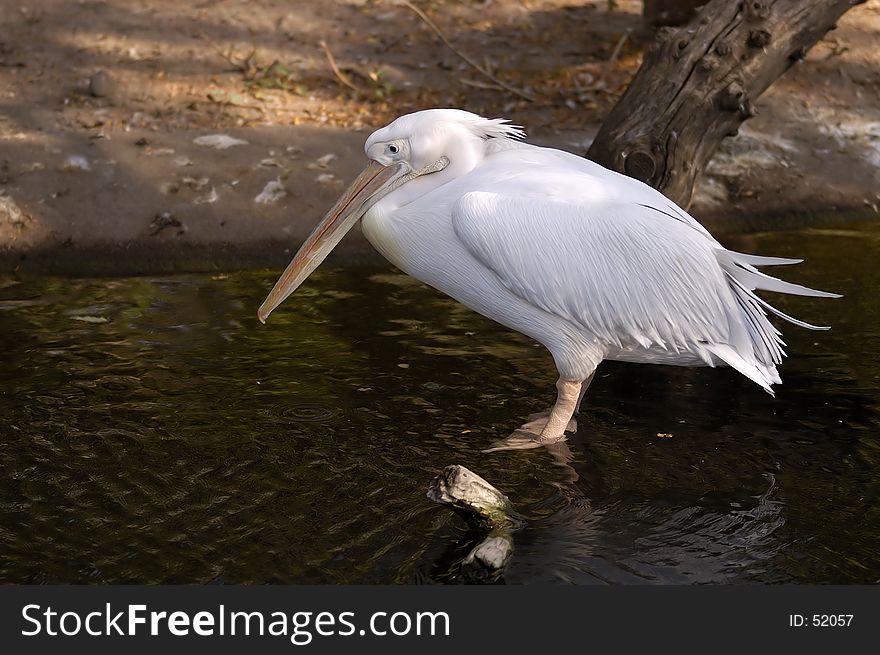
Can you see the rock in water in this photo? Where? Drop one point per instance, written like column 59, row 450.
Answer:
column 479, row 501
column 486, row 508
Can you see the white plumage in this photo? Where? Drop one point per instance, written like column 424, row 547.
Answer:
column 590, row 263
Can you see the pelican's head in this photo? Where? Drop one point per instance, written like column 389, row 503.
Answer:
column 441, row 142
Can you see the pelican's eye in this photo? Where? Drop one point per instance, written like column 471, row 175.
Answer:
column 390, row 151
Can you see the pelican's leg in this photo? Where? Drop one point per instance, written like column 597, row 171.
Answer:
column 546, row 429
column 568, row 396
column 584, row 386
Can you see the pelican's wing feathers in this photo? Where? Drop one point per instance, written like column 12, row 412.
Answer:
column 630, row 273
column 611, row 268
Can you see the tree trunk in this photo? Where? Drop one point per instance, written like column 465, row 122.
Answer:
column 698, row 84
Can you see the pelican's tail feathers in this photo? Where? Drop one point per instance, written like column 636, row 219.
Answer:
column 758, row 350
column 761, row 374
column 758, row 260
column 740, row 268
column 753, row 279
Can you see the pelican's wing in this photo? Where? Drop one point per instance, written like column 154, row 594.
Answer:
column 626, row 274
column 577, row 179
column 613, row 269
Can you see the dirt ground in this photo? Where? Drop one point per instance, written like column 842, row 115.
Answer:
column 103, row 103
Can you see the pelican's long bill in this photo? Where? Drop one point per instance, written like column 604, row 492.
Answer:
column 374, row 182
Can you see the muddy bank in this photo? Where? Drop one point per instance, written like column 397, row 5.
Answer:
column 145, row 202
column 147, row 141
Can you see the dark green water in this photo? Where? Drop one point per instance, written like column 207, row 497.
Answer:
column 177, row 440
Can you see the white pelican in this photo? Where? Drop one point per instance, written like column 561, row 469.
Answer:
column 592, row 264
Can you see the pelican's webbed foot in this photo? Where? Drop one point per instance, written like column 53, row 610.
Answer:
column 532, row 435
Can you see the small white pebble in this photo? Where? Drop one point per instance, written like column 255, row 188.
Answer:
column 208, row 198
column 271, row 193
column 76, row 163
column 326, row 160
column 219, row 141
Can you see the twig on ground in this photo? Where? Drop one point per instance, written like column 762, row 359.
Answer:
column 470, row 62
column 342, row 77
column 480, row 85
column 616, row 52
